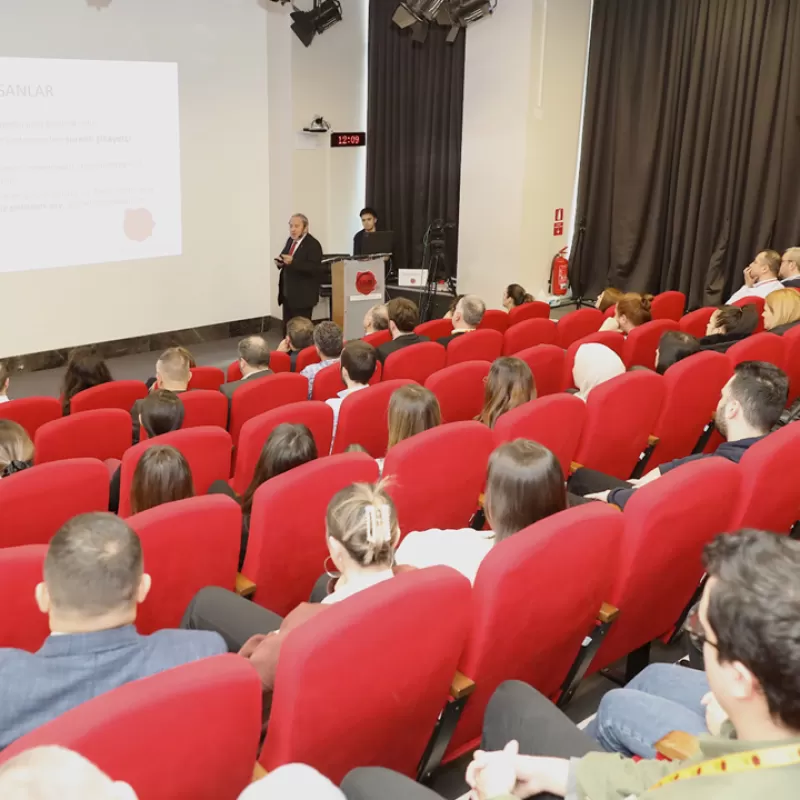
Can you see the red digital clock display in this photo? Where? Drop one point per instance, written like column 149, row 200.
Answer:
column 348, row 139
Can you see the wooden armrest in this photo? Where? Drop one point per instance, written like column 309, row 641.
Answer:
column 678, row 746
column 244, row 586
column 461, row 686
column 481, row 500
column 607, row 613
column 258, row 773
column 574, row 467
column 614, row 506
column 652, row 441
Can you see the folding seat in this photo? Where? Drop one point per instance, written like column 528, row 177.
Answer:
column 667, row 524
column 791, row 341
column 263, row 394
column 317, row 416
column 528, row 334
column 204, row 407
column 234, row 371
column 378, row 338
column 460, row 389
column 102, row 434
column 206, row 714
column 577, row 324
column 692, row 392
column 642, row 342
column 22, row 625
column 435, row 329
column 286, row 549
column 208, row 451
column 555, row 422
column 306, row 357
column 494, row 319
column 758, row 302
column 363, row 418
column 370, row 674
column 187, row 545
column 695, row 323
column 759, row 347
column 668, row 305
column 475, row 346
column 115, row 394
column 31, row 412
column 612, row 339
column 547, row 365
column 37, row 502
column 532, row 310
column 278, row 362
column 621, row 414
column 610, row 311
column 416, row 362
column 210, row 378
column 437, row 476
column 328, row 381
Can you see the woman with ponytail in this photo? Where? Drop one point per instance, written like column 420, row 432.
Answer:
column 633, row 310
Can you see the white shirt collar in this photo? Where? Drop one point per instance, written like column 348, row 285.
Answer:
column 357, row 388
column 357, row 584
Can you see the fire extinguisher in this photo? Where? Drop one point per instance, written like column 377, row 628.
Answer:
column 559, row 273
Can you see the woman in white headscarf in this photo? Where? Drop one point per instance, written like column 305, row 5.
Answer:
column 595, row 364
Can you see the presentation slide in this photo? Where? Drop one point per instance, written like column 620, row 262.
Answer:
column 89, row 162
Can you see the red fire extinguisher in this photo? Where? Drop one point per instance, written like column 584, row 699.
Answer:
column 559, row 273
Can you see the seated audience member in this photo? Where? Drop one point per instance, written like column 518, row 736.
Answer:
column 781, row 310
column 728, row 325
column 790, row 268
column 328, row 341
column 5, row 381
column 287, row 447
column 186, row 353
column 632, row 311
column 594, row 364
column 466, row 317
column 161, row 476
column 357, row 368
column 760, row 278
column 514, row 295
column 509, row 384
column 524, row 485
column 84, row 371
column 412, row 410
column 253, row 362
column 376, row 319
column 403, row 318
column 751, row 403
column 93, row 581
column 172, row 373
column 16, row 448
column 750, row 621
column 299, row 335
column 673, row 347
column 607, row 298
column 452, row 307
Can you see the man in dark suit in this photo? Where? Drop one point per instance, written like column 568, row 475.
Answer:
column 300, row 263
column 790, row 268
column 253, row 362
column 93, row 580
column 403, row 318
column 467, row 315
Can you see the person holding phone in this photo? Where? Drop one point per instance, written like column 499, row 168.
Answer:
column 300, row 265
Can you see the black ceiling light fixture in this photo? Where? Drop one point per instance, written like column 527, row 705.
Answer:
column 453, row 14
column 307, row 24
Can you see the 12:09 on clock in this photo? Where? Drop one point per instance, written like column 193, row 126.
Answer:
column 348, row 139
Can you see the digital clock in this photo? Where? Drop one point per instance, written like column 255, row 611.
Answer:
column 348, row 139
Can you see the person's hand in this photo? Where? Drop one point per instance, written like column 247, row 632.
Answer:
column 599, row 495
column 287, row 259
column 493, row 774
column 284, row 346
column 715, row 715
column 749, row 280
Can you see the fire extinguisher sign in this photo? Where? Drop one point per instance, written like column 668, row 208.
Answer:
column 558, row 224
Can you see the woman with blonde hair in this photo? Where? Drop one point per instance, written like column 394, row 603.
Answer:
column 595, row 364
column 781, row 310
column 509, row 384
column 16, row 448
column 633, row 310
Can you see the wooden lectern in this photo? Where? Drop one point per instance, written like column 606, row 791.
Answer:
column 357, row 285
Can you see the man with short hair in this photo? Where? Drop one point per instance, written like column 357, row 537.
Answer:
column 403, row 318
column 173, row 373
column 358, row 363
column 369, row 224
column 300, row 265
column 93, row 580
column 376, row 319
column 299, row 335
column 761, row 277
column 790, row 268
column 328, row 341
column 253, row 362
column 468, row 314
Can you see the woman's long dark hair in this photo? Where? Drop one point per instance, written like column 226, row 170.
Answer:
column 161, row 476
column 85, row 369
column 518, row 295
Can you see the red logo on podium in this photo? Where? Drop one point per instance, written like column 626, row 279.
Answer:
column 366, row 282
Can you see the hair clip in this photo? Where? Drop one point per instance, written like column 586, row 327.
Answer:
column 378, row 524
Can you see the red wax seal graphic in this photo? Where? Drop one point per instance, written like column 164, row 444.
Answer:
column 366, row 282
column 139, row 224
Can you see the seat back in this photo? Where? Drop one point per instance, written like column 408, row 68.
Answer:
column 286, row 549
column 460, row 389
column 22, row 625
column 306, row 357
column 187, row 545
column 114, row 394
column 363, row 419
column 328, row 381
column 208, row 451
column 37, row 502
column 692, row 391
column 660, row 562
column 101, row 434
column 475, row 346
column 333, row 681
column 668, row 305
column 317, row 416
column 758, row 302
column 525, row 625
column 642, row 343
column 791, row 364
column 494, row 319
column 620, row 416
column 435, row 329
column 378, row 338
column 611, row 339
column 416, row 362
column 31, row 412
column 254, row 397
column 759, row 347
column 142, row 732
column 547, row 365
column 204, row 407
column 278, row 362
column 577, row 324
column 531, row 310
column 528, row 334
column 209, row 378
column 234, row 371
column 555, row 422
column 437, row 476
column 695, row 323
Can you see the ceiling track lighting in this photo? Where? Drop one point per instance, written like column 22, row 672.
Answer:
column 453, row 14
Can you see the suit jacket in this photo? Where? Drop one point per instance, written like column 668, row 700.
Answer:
column 298, row 286
column 792, row 283
column 72, row 668
column 406, row 340
column 445, row 340
column 358, row 243
column 229, row 388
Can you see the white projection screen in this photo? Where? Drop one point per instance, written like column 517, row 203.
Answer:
column 134, row 169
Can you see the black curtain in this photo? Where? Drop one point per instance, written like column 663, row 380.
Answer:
column 691, row 144
column 416, row 99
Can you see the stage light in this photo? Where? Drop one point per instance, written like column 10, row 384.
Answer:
column 453, row 14
column 468, row 11
column 307, row 24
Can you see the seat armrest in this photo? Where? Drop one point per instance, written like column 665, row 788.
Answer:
column 607, row 613
column 244, row 586
column 678, row 746
column 258, row 773
column 652, row 441
column 461, row 686
column 574, row 467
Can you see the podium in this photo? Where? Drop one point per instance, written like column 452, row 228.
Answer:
column 357, row 285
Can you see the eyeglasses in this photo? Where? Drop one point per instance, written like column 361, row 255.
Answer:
column 696, row 633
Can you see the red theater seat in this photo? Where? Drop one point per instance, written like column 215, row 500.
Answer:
column 547, row 365
column 528, row 334
column 695, row 323
column 577, row 324
column 115, row 394
column 416, row 362
column 101, row 434
column 278, row 362
column 306, row 357
column 475, row 346
column 668, row 305
column 263, row 394
column 378, row 338
column 792, row 363
column 22, row 625
column 31, row 412
column 642, row 343
column 204, row 407
column 435, row 329
column 495, row 320
column 532, row 310
column 460, row 390
column 759, row 347
column 210, row 378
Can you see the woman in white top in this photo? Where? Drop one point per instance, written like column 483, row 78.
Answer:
column 595, row 364
column 524, row 485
